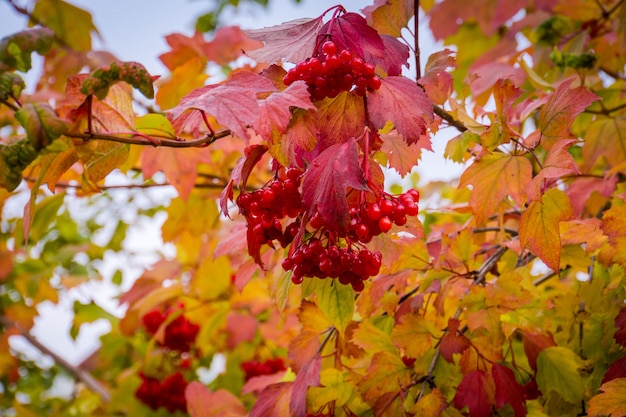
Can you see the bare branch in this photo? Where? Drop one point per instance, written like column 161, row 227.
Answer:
column 448, row 118
column 141, row 140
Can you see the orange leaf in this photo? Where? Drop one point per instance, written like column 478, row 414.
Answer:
column 340, row 118
column 611, row 401
column 401, row 157
column 606, row 137
column 493, row 178
column 539, row 226
column 201, row 402
column 614, row 226
column 273, row 401
column 559, row 112
column 388, row 17
column 430, row 405
column 587, row 231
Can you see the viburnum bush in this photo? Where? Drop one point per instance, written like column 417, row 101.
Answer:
column 309, row 270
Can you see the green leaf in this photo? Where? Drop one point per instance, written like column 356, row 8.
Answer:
column 45, row 213
column 72, row 25
column 336, row 301
column 16, row 49
column 41, row 123
column 557, row 370
column 14, row 157
column 155, row 124
column 135, row 74
column 11, row 85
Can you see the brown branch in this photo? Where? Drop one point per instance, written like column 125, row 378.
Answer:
column 448, row 118
column 416, row 11
column 80, row 374
column 141, row 140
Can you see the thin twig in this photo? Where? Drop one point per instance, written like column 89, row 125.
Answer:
column 448, row 118
column 170, row 143
column 80, row 374
column 416, row 11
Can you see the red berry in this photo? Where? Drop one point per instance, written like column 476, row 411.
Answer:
column 329, row 48
column 385, row 224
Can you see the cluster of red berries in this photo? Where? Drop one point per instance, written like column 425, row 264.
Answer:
column 349, row 264
column 265, row 208
column 332, row 71
column 169, row 393
column 268, row 367
column 180, row 333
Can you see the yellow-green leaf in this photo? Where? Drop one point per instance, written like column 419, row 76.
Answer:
column 155, row 124
column 539, row 226
column 495, row 177
column 372, row 339
column 557, row 370
column 69, row 23
column 41, row 124
column 336, row 301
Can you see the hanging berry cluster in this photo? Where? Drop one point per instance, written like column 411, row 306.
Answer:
column 325, row 251
column 169, row 393
column 332, row 71
column 266, row 208
column 180, row 333
column 267, row 367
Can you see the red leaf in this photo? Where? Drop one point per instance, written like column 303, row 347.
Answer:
column 273, row 401
column 395, row 57
column 339, row 119
column 308, row 376
column 201, row 402
column 581, row 189
column 241, row 172
column 233, row 104
column 228, row 44
column 400, row 156
column 616, row 370
column 558, row 164
column 274, row 111
column 534, row 343
column 508, row 390
column 559, row 112
column 293, row 41
column 406, row 105
column 436, row 81
column 453, row 342
column 477, row 392
column 327, row 179
column 620, row 323
column 351, row 31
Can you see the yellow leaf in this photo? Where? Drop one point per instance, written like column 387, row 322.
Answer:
column 212, row 278
column 611, row 401
column 614, row 226
column 495, row 177
column 333, row 388
column 414, row 335
column 184, row 79
column 372, row 339
column 557, row 370
column 430, row 405
column 539, row 226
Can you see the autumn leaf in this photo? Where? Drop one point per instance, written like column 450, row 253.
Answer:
column 239, row 175
column 351, row 31
column 477, row 392
column 42, row 125
column 437, row 82
column 539, row 226
column 336, row 301
column 182, row 49
column 273, row 401
column 606, row 138
column 293, row 41
column 308, row 376
column 557, row 371
column 202, row 402
column 614, row 226
column 453, row 341
column 400, row 156
column 386, row 374
column 508, row 390
column 534, row 343
column 228, row 43
column 611, row 401
column 579, row 231
column 328, row 178
column 233, row 104
column 430, row 405
column 616, row 370
column 303, row 130
column 402, row 102
column 180, row 167
column 372, row 339
column 557, row 164
column 494, row 177
column 339, row 119
column 133, row 73
column 274, row 111
column 559, row 112
column 414, row 335
column 388, row 17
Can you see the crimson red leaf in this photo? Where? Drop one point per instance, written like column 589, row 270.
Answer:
column 327, row 179
column 396, row 55
column 477, row 392
column 293, row 41
column 274, row 111
column 406, row 105
column 273, row 401
column 308, row 376
column 233, row 104
column 351, row 31
column 620, row 323
column 616, row 370
column 453, row 341
column 534, row 343
column 508, row 390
